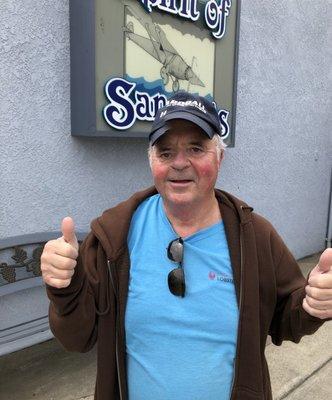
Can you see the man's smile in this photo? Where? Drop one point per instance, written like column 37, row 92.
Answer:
column 180, row 182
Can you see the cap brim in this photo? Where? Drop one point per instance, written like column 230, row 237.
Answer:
column 207, row 129
column 154, row 136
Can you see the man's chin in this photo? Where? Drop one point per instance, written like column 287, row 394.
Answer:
column 179, row 198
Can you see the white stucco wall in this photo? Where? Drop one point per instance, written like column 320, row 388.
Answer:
column 281, row 162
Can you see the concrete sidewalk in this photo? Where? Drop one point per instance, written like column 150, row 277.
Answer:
column 47, row 372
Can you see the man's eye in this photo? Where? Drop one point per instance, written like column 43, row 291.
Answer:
column 196, row 150
column 165, row 155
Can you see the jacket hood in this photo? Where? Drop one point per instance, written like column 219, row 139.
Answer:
column 119, row 216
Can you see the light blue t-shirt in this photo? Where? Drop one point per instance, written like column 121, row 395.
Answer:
column 179, row 348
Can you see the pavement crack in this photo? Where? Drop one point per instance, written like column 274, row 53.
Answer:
column 300, row 382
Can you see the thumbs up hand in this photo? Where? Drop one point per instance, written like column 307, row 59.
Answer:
column 318, row 300
column 58, row 260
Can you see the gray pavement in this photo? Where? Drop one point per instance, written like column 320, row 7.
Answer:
column 316, row 387
column 292, row 365
column 47, row 372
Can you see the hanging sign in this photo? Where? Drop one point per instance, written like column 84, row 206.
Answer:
column 129, row 56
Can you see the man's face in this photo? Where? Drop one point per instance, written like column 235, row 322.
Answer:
column 185, row 164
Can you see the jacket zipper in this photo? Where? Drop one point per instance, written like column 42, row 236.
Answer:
column 240, row 310
column 116, row 332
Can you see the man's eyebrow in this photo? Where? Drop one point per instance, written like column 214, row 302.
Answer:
column 163, row 146
column 198, row 142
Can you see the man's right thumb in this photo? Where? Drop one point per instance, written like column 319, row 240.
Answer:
column 68, row 231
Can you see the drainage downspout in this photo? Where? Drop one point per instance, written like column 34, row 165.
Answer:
column 328, row 236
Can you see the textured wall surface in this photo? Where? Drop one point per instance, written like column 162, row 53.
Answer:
column 280, row 164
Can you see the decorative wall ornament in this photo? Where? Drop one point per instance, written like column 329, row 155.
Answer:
column 20, row 262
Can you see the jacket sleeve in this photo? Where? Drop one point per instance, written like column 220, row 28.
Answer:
column 290, row 321
column 73, row 316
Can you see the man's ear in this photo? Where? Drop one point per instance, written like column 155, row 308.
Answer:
column 150, row 155
column 222, row 155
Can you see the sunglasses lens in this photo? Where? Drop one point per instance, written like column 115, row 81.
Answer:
column 175, row 250
column 176, row 282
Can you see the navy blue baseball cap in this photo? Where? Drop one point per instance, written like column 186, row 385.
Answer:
column 190, row 107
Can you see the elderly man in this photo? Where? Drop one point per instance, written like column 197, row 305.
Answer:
column 181, row 284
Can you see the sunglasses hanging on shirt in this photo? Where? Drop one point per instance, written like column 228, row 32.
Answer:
column 176, row 282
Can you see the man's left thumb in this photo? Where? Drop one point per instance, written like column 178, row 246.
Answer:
column 325, row 261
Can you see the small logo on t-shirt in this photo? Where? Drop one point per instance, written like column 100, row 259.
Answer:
column 220, row 277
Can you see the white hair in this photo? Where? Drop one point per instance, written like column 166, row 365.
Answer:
column 217, row 139
column 220, row 144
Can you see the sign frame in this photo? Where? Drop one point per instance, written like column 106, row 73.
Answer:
column 86, row 113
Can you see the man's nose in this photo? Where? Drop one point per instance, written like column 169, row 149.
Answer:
column 180, row 160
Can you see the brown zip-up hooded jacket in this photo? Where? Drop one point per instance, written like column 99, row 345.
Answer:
column 269, row 287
